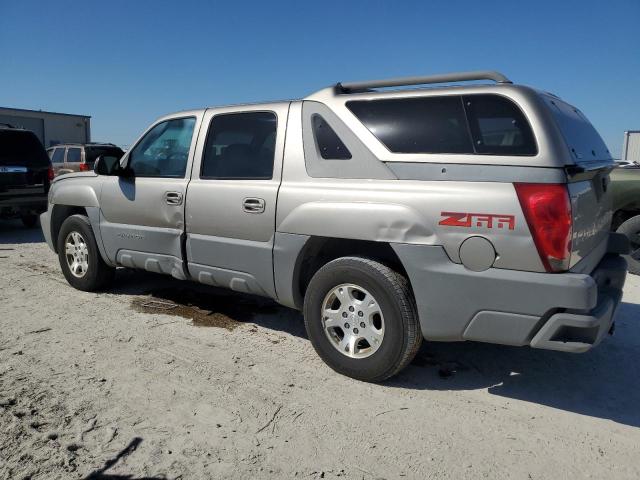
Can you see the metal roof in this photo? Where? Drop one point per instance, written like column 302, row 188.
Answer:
column 45, row 111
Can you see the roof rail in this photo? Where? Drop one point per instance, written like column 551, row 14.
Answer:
column 406, row 81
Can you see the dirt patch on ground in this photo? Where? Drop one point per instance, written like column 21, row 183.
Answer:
column 205, row 309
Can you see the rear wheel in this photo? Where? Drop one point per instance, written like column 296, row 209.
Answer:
column 631, row 228
column 79, row 257
column 361, row 318
column 29, row 220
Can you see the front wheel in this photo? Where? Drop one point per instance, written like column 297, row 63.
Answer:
column 361, row 318
column 79, row 257
column 631, row 228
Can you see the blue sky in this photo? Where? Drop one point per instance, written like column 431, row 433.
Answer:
column 127, row 62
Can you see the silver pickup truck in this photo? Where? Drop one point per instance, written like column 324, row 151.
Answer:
column 473, row 211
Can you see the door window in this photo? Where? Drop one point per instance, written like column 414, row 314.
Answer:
column 58, row 155
column 240, row 146
column 73, row 155
column 164, row 150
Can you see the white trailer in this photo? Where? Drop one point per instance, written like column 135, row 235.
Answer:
column 631, row 147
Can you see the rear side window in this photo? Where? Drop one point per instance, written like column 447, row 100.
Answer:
column 474, row 124
column 73, row 155
column 498, row 126
column 21, row 148
column 416, row 125
column 58, row 155
column 329, row 144
column 240, row 146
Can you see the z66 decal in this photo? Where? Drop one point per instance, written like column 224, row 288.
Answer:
column 468, row 220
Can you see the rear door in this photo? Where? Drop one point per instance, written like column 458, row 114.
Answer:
column 142, row 218
column 591, row 200
column 231, row 205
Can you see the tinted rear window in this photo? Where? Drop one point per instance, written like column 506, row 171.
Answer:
column 582, row 138
column 91, row 153
column 21, row 148
column 416, row 125
column 474, row 124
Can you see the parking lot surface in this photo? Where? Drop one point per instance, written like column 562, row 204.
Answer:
column 157, row 378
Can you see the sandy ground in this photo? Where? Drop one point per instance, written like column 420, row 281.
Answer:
column 125, row 385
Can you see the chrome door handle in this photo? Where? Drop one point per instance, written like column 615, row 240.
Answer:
column 253, row 205
column 173, row 198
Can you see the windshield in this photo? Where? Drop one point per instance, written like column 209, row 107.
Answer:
column 21, row 148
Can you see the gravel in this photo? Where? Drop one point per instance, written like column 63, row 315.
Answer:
column 157, row 378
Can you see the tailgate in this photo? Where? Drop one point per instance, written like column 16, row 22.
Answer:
column 591, row 200
column 24, row 165
column 19, row 185
column 592, row 209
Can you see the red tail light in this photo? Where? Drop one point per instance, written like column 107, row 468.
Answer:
column 547, row 210
column 50, row 174
column 84, row 167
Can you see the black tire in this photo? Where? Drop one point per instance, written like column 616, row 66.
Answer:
column 402, row 335
column 98, row 274
column 29, row 220
column 631, row 228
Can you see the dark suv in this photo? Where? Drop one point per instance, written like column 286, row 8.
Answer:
column 25, row 175
column 80, row 157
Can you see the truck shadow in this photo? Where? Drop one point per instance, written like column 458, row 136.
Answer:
column 602, row 383
column 13, row 232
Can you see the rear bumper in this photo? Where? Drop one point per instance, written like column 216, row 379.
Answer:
column 579, row 331
column 567, row 311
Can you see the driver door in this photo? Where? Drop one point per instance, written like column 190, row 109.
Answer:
column 142, row 217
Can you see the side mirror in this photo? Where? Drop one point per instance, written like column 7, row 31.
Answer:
column 106, row 165
column 109, row 165
column 125, row 172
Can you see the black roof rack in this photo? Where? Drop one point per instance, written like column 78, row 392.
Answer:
column 497, row 77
